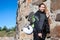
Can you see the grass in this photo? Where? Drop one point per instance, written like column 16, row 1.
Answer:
column 8, row 34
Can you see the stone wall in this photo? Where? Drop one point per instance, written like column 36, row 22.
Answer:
column 25, row 7
column 55, row 4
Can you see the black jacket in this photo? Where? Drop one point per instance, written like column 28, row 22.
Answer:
column 41, row 25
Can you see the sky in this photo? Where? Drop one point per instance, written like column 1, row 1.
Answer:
column 8, row 10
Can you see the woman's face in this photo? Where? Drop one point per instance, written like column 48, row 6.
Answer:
column 42, row 8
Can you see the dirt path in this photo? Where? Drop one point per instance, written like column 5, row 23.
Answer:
column 7, row 38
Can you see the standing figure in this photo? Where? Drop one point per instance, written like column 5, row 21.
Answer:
column 41, row 24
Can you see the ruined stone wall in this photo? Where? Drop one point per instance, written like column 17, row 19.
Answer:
column 55, row 4
column 25, row 7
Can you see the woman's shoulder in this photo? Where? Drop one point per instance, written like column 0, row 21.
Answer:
column 37, row 13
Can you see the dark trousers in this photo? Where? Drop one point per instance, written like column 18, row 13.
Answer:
column 36, row 37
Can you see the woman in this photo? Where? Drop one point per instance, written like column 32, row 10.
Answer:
column 41, row 25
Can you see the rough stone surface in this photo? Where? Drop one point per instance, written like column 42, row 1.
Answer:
column 25, row 7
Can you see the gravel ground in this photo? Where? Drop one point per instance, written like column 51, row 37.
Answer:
column 6, row 38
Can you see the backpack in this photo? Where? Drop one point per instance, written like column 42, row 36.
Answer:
column 33, row 18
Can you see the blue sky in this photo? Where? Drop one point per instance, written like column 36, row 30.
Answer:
column 8, row 10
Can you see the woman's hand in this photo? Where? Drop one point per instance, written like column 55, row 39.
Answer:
column 40, row 35
column 47, row 15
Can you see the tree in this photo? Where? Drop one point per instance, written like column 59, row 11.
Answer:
column 13, row 28
column 0, row 28
column 4, row 28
